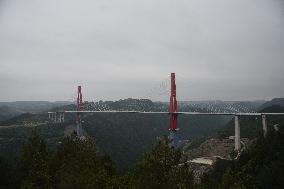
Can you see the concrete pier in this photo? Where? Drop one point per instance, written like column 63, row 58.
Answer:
column 264, row 125
column 237, row 133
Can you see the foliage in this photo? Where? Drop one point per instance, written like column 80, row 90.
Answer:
column 6, row 172
column 237, row 180
column 260, row 166
column 32, row 165
column 136, row 133
column 163, row 167
column 78, row 164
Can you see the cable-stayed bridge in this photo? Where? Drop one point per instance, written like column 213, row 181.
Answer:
column 173, row 113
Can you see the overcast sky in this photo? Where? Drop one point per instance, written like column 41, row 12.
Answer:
column 219, row 49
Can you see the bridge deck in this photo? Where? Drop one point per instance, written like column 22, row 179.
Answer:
column 179, row 113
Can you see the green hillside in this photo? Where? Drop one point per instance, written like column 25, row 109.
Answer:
column 259, row 166
column 125, row 137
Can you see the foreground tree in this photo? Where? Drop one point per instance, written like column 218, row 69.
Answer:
column 6, row 173
column 163, row 167
column 78, row 164
column 261, row 166
column 33, row 164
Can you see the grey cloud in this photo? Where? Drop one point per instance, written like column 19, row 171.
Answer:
column 223, row 49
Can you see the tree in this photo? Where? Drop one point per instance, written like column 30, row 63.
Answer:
column 261, row 166
column 163, row 167
column 6, row 172
column 33, row 164
column 237, row 180
column 78, row 164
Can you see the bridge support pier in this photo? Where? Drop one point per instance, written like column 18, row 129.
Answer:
column 59, row 117
column 264, row 125
column 237, row 133
column 55, row 118
column 51, row 116
column 63, row 117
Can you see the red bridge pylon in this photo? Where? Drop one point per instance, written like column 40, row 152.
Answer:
column 79, row 108
column 173, row 116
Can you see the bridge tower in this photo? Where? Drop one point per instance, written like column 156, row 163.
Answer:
column 173, row 116
column 79, row 108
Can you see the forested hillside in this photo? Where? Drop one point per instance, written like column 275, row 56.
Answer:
column 11, row 109
column 77, row 163
column 7, row 112
column 259, row 166
column 273, row 102
column 129, row 150
column 125, row 137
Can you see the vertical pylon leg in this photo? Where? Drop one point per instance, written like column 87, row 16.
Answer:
column 237, row 133
column 264, row 125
